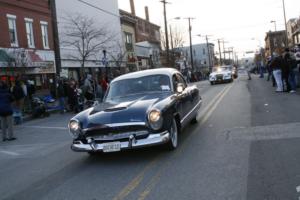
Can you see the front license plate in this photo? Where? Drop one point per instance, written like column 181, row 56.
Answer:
column 112, row 147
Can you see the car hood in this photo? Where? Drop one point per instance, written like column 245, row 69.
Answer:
column 132, row 110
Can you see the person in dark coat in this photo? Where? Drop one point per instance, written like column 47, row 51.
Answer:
column 18, row 95
column 6, row 112
column 72, row 96
column 61, row 95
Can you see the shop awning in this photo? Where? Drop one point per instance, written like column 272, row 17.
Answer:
column 5, row 59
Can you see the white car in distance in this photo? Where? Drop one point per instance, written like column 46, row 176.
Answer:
column 221, row 74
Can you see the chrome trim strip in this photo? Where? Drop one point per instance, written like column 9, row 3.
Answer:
column 152, row 139
column 184, row 118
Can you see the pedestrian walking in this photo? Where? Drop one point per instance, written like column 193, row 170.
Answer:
column 276, row 66
column 6, row 112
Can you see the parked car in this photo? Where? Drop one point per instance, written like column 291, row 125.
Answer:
column 221, row 74
column 140, row 109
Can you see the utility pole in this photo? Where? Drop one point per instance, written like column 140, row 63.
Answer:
column 166, row 30
column 209, row 56
column 55, row 37
column 224, row 51
column 191, row 47
column 220, row 52
column 286, row 35
column 172, row 46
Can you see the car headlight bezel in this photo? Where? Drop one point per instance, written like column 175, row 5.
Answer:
column 155, row 119
column 74, row 128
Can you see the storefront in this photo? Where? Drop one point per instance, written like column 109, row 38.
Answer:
column 35, row 65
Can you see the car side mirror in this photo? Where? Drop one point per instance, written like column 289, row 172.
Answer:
column 179, row 88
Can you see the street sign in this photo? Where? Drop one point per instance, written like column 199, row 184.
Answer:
column 104, row 61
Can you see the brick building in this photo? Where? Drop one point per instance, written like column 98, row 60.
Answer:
column 26, row 41
column 146, row 38
column 274, row 41
column 295, row 32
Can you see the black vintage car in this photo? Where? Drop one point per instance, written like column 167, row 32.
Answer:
column 140, row 109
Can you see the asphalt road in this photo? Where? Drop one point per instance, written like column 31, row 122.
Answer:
column 246, row 145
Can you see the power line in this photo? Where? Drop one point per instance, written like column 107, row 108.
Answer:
column 98, row 8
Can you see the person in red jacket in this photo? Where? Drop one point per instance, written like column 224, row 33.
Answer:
column 104, row 84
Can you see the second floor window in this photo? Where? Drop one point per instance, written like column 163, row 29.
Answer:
column 12, row 29
column 128, row 41
column 29, row 32
column 44, row 26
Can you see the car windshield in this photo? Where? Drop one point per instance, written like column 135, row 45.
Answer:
column 222, row 69
column 133, row 86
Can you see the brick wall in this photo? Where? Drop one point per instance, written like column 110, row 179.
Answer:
column 38, row 10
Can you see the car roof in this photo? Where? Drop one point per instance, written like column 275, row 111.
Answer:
column 166, row 71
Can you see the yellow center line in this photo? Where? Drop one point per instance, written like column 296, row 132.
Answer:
column 134, row 183
column 153, row 182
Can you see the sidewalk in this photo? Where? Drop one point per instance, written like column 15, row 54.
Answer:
column 271, row 107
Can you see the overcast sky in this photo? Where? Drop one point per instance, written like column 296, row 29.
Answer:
column 237, row 21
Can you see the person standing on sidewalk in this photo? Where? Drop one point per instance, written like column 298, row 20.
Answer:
column 276, row 66
column 6, row 112
column 291, row 64
column 61, row 95
column 18, row 95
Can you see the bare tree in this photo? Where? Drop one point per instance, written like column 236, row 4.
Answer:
column 176, row 38
column 119, row 55
column 82, row 34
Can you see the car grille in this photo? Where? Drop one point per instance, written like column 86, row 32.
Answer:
column 117, row 133
column 121, row 136
column 219, row 76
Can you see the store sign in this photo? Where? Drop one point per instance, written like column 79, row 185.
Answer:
column 41, row 64
column 47, row 69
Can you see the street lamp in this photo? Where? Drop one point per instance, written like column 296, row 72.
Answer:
column 274, row 24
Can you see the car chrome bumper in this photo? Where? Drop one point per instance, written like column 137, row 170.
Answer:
column 152, row 139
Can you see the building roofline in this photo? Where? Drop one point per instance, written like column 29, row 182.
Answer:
column 138, row 18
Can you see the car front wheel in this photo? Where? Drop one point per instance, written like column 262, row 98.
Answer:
column 173, row 142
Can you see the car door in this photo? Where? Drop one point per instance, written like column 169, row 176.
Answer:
column 183, row 104
column 192, row 100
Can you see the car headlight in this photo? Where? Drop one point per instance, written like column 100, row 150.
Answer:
column 74, row 127
column 155, row 119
